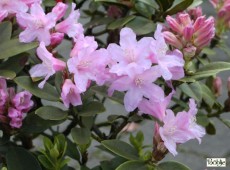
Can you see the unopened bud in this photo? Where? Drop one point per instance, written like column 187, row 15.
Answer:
column 189, row 52
column 56, row 39
column 217, row 86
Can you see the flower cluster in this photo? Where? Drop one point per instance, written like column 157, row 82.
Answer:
column 223, row 8
column 13, row 106
column 190, row 35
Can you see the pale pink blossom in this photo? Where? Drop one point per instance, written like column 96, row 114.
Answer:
column 16, row 117
column 70, row 25
column 138, row 85
column 131, row 54
column 170, row 63
column 88, row 65
column 31, row 2
column 37, row 25
column 59, row 10
column 70, row 94
column 11, row 7
column 22, row 101
column 48, row 67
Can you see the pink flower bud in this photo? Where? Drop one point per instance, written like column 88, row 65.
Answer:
column 214, row 3
column 114, row 11
column 174, row 25
column 56, row 39
column 22, row 101
column 217, row 86
column 188, row 32
column 59, row 10
column 171, row 39
column 184, row 19
column 195, row 12
column 16, row 117
column 189, row 52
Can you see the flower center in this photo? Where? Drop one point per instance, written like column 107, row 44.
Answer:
column 38, row 23
column 170, row 131
column 139, row 82
column 129, row 55
column 84, row 64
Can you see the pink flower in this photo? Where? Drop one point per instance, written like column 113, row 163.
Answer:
column 37, row 25
column 170, row 63
column 88, row 65
column 217, row 86
column 180, row 128
column 31, row 2
column 48, row 67
column 59, row 10
column 22, row 101
column 16, row 117
column 130, row 53
column 155, row 108
column 187, row 31
column 70, row 94
column 70, row 25
column 11, row 7
column 138, row 85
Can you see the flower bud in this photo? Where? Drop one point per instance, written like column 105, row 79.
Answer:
column 59, row 10
column 56, row 39
column 171, row 39
column 217, row 86
column 189, row 52
column 174, row 25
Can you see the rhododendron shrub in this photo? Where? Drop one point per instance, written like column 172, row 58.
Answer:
column 60, row 75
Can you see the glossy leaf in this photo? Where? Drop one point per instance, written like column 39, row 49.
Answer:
column 48, row 92
column 132, row 165
column 144, row 9
column 34, row 124
column 171, row 165
column 147, row 26
column 207, row 95
column 13, row 47
column 120, row 22
column 179, row 7
column 195, row 3
column 151, row 3
column 51, row 113
column 8, row 74
column 92, row 108
column 121, row 148
column 81, row 136
column 165, row 4
column 210, row 129
column 5, row 31
column 20, row 159
column 192, row 90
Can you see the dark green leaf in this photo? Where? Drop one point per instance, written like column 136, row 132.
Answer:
column 210, row 129
column 15, row 64
column 202, row 119
column 20, row 159
column 111, row 1
column 120, row 22
column 179, row 7
column 192, row 90
column 144, row 9
column 58, row 81
column 92, row 108
column 8, row 74
column 5, row 31
column 226, row 122
column 207, row 95
column 72, row 150
column 171, row 165
column 51, row 113
column 13, row 47
column 165, row 4
column 147, row 26
column 195, row 3
column 34, row 124
column 121, row 148
column 45, row 162
column 112, row 164
column 133, row 165
column 48, row 92
column 149, row 2
column 81, row 136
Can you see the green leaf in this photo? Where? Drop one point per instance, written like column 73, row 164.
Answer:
column 179, row 7
column 112, row 164
column 34, row 124
column 13, row 47
column 210, row 69
column 192, row 90
column 210, row 129
column 15, row 64
column 171, row 165
column 202, row 119
column 72, row 150
column 8, row 74
column 207, row 95
column 121, row 148
column 81, row 136
column 102, row 90
column 111, row 1
column 120, row 22
column 149, row 2
column 133, row 165
column 5, row 31
column 58, row 81
column 48, row 92
column 165, row 4
column 45, row 162
column 147, row 26
column 195, row 4
column 20, row 159
column 92, row 108
column 144, row 9
column 51, row 113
